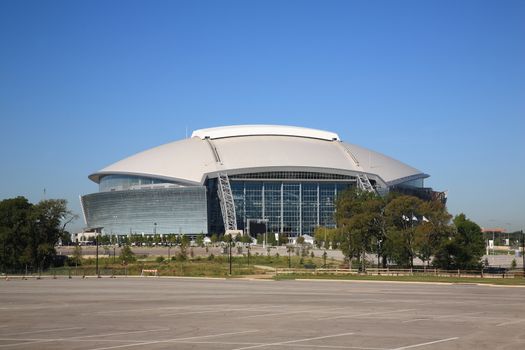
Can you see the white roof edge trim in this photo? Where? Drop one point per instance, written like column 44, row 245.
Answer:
column 95, row 177
column 259, row 130
column 408, row 178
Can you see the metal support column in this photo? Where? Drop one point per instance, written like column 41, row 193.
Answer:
column 300, row 209
column 318, row 206
column 282, row 207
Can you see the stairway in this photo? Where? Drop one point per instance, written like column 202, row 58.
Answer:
column 227, row 203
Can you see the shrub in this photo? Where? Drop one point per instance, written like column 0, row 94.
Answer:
column 126, row 255
column 159, row 259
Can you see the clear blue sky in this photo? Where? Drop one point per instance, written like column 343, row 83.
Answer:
column 439, row 85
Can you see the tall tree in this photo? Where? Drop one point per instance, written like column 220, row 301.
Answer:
column 464, row 249
column 402, row 216
column 360, row 220
column 432, row 230
column 29, row 232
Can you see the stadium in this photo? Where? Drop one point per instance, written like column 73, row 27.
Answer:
column 252, row 178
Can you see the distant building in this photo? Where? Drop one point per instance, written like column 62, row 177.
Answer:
column 234, row 177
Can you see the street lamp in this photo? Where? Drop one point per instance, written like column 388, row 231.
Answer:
column 114, row 227
column 289, row 256
column 230, row 244
column 96, row 242
column 379, row 241
column 248, row 254
column 523, row 251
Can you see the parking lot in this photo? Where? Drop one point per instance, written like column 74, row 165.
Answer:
column 184, row 313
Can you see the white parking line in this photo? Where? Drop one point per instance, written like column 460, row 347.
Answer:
column 511, row 322
column 293, row 341
column 192, row 342
column 365, row 314
column 83, row 336
column 431, row 318
column 41, row 331
column 287, row 345
column 134, row 310
column 172, row 340
column 427, row 343
column 290, row 313
column 214, row 310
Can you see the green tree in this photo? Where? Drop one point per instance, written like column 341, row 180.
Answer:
column 200, row 240
column 326, row 237
column 270, row 239
column 464, row 249
column 246, row 239
column 126, row 255
column 402, row 215
column 360, row 221
column 76, row 259
column 29, row 232
column 432, row 230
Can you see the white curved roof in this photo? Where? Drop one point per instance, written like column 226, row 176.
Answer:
column 251, row 149
column 252, row 130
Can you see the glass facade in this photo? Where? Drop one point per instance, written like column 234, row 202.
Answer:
column 287, row 205
column 125, row 182
column 173, row 210
column 293, row 203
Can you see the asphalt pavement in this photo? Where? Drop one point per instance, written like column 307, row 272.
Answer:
column 189, row 313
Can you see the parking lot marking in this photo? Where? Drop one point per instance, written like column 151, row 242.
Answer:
column 215, row 310
column 365, row 314
column 427, row 343
column 41, row 331
column 510, row 322
column 289, row 313
column 134, row 310
column 294, row 341
column 83, row 336
column 431, row 318
column 174, row 340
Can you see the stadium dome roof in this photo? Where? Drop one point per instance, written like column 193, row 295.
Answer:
column 259, row 148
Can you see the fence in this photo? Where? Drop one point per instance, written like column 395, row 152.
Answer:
column 400, row 272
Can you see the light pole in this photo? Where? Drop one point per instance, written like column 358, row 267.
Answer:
column 114, row 227
column 96, row 242
column 379, row 241
column 290, row 256
column 523, row 251
column 154, row 229
column 230, row 240
column 248, row 254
